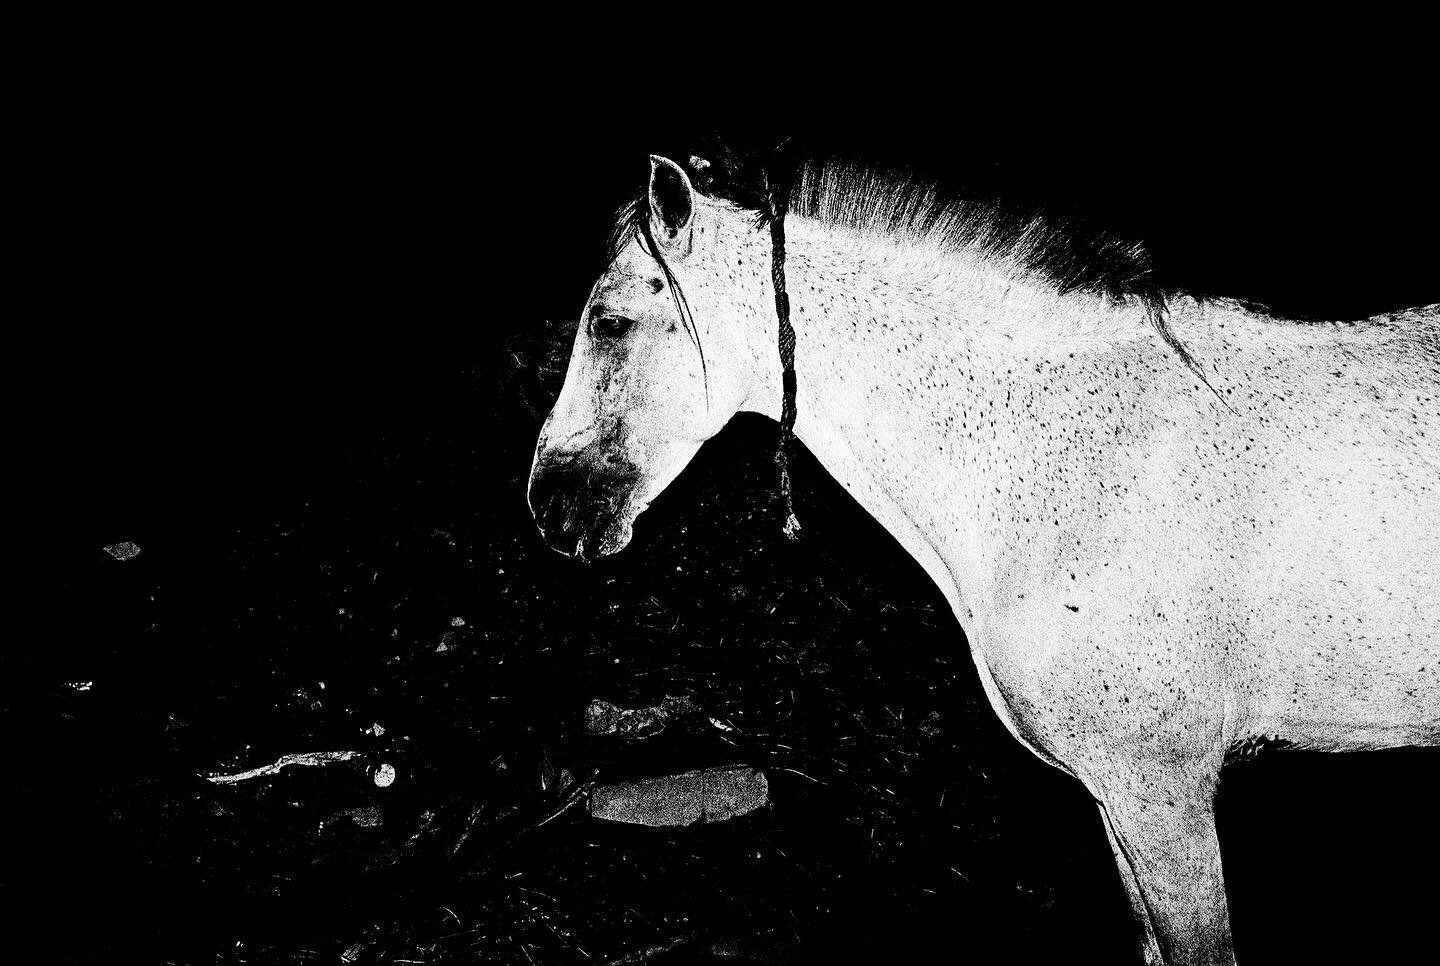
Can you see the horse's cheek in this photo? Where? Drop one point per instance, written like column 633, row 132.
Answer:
column 613, row 385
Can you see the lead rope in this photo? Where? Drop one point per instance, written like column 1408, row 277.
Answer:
column 778, row 198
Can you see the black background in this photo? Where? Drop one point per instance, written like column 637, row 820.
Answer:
column 227, row 280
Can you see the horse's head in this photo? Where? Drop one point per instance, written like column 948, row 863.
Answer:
column 659, row 365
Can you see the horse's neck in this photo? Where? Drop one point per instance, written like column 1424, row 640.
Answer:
column 916, row 375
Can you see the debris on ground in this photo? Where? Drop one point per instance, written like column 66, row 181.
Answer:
column 353, row 952
column 631, row 724
column 371, row 816
column 737, row 949
column 656, row 951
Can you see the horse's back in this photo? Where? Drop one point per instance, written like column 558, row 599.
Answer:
column 1333, row 524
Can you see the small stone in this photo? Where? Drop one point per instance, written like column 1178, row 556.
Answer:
column 384, row 775
column 124, row 550
column 604, row 718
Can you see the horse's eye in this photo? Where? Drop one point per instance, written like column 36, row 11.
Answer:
column 611, row 326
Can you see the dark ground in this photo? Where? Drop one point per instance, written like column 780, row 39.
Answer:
column 289, row 343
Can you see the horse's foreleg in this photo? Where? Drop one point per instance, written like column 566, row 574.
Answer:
column 1165, row 844
column 1149, row 945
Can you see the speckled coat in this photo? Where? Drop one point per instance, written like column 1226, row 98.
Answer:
column 1150, row 567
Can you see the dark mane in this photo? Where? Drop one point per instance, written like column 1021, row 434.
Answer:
column 1065, row 254
column 1068, row 254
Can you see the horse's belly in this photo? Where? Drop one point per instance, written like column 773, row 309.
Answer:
column 1340, row 605
column 1345, row 631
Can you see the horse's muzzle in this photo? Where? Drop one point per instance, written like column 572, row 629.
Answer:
column 580, row 503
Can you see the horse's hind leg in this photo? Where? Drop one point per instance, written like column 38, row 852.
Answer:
column 1169, row 857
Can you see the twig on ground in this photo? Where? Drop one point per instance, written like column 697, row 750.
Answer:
column 304, row 758
column 657, row 951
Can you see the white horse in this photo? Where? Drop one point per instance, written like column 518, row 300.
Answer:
column 1151, row 565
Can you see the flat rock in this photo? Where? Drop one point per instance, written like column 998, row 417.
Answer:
column 705, row 795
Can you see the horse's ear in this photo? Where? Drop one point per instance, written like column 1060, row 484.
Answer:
column 672, row 203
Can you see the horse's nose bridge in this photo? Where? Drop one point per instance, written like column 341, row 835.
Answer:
column 574, row 418
column 564, row 444
column 573, row 429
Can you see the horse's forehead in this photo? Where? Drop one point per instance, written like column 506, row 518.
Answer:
column 630, row 266
column 631, row 260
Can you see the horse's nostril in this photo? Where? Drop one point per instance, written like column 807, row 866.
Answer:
column 551, row 509
column 557, row 531
column 553, row 515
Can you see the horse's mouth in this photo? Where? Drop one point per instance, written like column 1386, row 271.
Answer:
column 610, row 538
column 583, row 512
column 586, row 536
